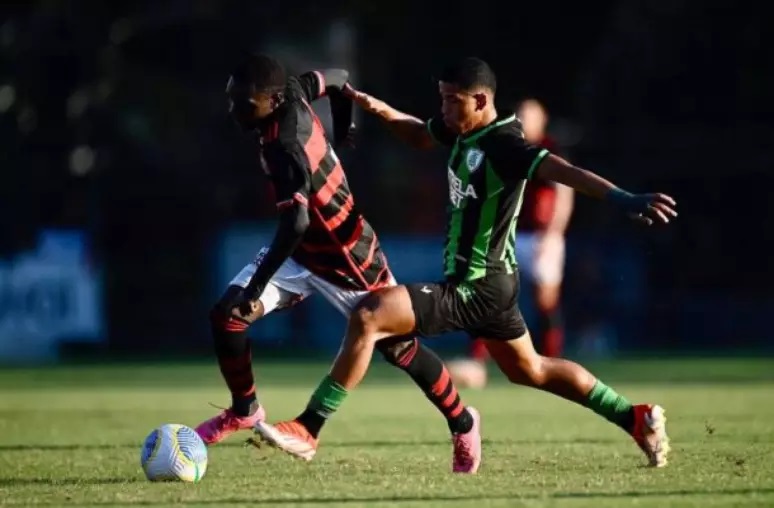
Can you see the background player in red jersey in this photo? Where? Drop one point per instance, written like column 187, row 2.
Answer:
column 323, row 244
column 545, row 214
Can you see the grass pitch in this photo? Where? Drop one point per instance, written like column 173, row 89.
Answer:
column 71, row 436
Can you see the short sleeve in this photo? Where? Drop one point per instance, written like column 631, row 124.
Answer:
column 514, row 159
column 439, row 132
column 312, row 85
column 289, row 174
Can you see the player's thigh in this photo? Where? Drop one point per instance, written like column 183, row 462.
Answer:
column 547, row 296
column 383, row 313
column 548, row 272
column 343, row 300
column 526, row 248
column 443, row 307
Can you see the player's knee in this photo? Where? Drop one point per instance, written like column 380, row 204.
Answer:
column 547, row 298
column 364, row 320
column 224, row 315
column 529, row 371
column 396, row 350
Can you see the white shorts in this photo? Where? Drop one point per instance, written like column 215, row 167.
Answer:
column 292, row 283
column 545, row 267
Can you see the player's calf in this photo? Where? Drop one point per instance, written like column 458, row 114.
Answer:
column 232, row 348
column 431, row 376
column 646, row 424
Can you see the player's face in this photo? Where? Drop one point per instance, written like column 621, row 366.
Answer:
column 460, row 109
column 246, row 105
column 533, row 120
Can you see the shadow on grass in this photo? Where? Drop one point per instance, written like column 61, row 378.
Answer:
column 61, row 482
column 473, row 497
column 344, row 444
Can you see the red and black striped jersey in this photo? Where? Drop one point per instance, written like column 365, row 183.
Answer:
column 539, row 203
column 339, row 244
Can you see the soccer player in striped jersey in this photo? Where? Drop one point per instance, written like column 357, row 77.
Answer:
column 489, row 165
column 323, row 244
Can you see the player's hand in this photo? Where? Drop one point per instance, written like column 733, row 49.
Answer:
column 248, row 304
column 646, row 208
column 348, row 140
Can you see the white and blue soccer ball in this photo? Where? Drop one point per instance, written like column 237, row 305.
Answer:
column 174, row 453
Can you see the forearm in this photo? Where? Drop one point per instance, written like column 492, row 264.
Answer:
column 343, row 115
column 293, row 225
column 406, row 127
column 558, row 170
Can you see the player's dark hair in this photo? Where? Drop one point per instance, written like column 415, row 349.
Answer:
column 264, row 72
column 470, row 73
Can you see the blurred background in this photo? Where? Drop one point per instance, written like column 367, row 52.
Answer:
column 128, row 199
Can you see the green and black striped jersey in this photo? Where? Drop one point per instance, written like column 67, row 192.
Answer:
column 488, row 170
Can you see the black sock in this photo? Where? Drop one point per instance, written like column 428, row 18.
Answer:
column 232, row 346
column 431, row 376
column 313, row 421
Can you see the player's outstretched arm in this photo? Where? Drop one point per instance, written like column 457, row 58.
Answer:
column 331, row 83
column 646, row 208
column 408, row 128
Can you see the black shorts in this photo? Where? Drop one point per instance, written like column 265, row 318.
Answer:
column 486, row 307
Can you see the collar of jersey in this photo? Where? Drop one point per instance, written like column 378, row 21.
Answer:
column 497, row 123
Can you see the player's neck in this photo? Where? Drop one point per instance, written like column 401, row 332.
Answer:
column 488, row 116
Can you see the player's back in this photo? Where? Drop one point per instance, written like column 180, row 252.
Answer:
column 339, row 244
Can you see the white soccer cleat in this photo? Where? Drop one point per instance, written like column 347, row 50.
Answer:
column 290, row 437
column 650, row 433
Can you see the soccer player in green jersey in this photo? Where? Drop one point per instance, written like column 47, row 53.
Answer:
column 489, row 165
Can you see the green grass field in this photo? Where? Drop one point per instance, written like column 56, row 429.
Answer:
column 71, row 436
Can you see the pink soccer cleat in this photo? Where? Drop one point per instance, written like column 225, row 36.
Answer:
column 467, row 447
column 218, row 428
column 650, row 433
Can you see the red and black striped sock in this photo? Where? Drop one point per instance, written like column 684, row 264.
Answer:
column 232, row 347
column 478, row 350
column 551, row 331
column 430, row 374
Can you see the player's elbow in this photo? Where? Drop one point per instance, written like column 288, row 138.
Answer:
column 294, row 220
column 301, row 220
column 413, row 132
column 335, row 79
column 555, row 169
column 424, row 142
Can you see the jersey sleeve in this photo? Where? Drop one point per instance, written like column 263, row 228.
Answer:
column 316, row 84
column 514, row 159
column 439, row 132
column 289, row 174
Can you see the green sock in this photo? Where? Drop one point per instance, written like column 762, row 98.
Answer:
column 609, row 404
column 327, row 398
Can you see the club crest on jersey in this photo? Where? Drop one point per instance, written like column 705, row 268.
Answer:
column 473, row 158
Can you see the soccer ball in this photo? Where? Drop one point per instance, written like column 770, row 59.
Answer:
column 468, row 373
column 174, row 453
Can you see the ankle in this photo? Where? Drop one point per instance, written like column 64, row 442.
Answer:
column 312, row 421
column 245, row 406
column 460, row 424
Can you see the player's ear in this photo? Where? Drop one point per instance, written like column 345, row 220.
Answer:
column 276, row 99
column 481, row 101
